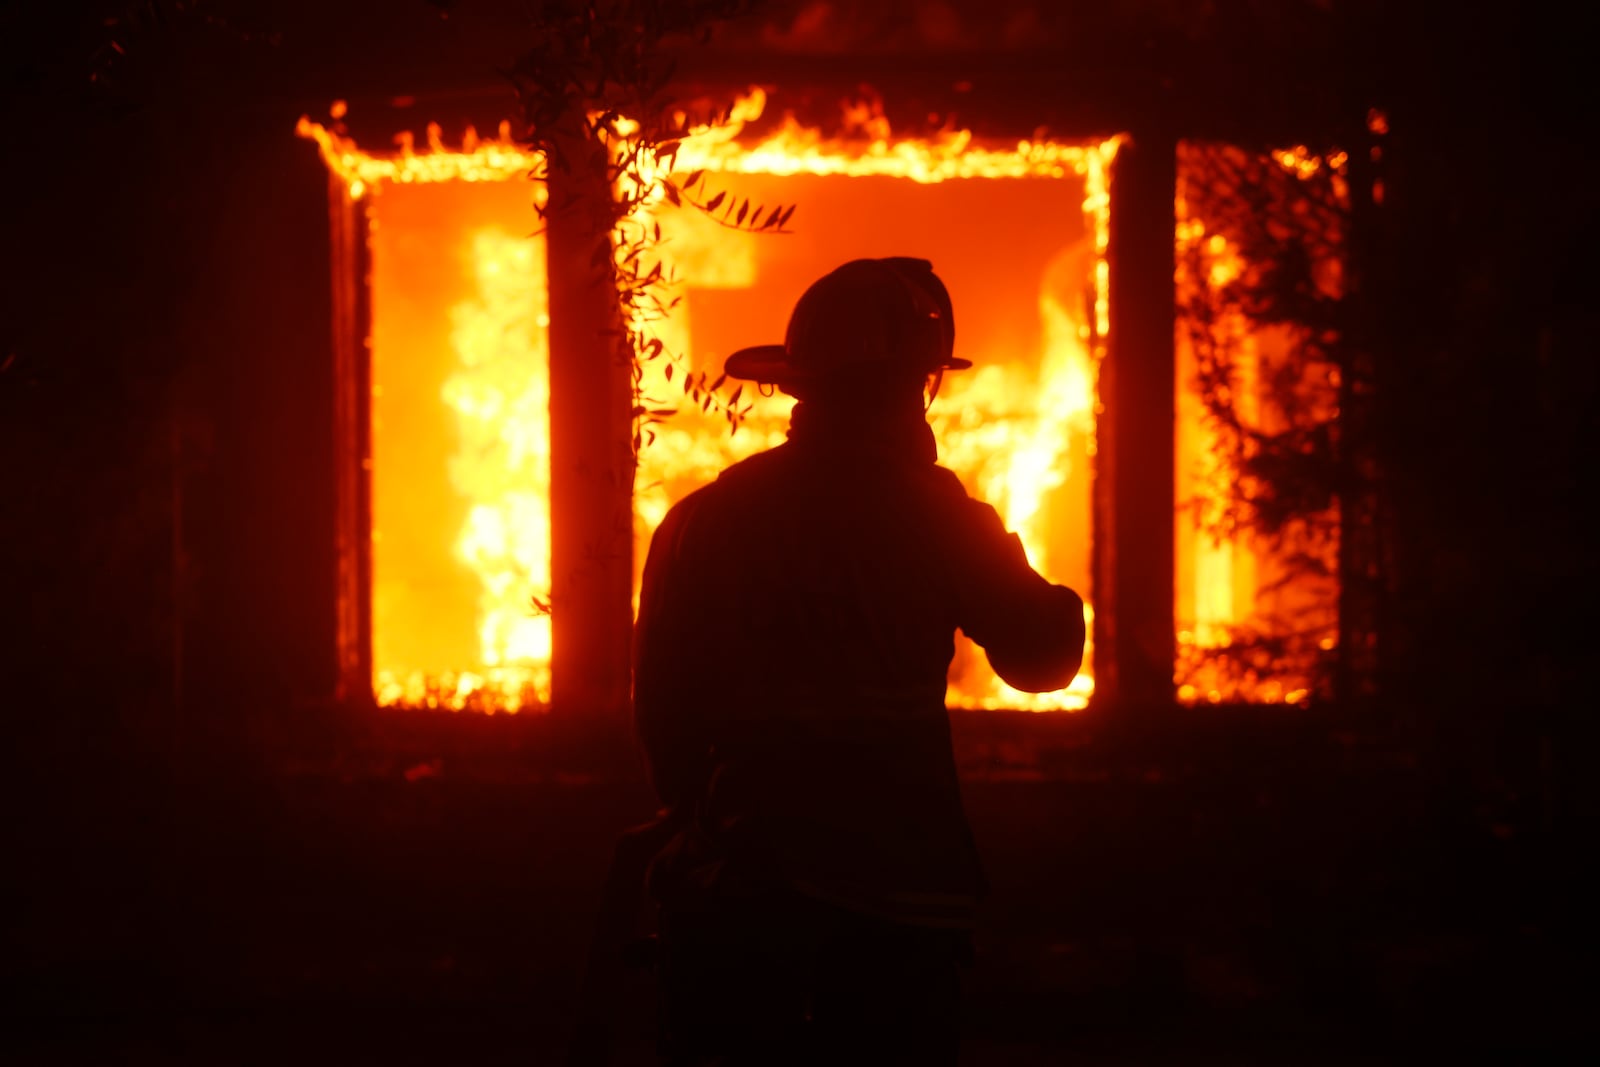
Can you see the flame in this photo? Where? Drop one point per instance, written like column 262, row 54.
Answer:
column 499, row 394
column 1020, row 434
column 497, row 160
column 1216, row 578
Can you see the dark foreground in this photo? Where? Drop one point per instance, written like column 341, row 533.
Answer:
column 1245, row 892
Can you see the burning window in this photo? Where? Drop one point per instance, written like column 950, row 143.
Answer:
column 459, row 439
column 1260, row 256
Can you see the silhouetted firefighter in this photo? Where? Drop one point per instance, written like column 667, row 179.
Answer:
column 816, row 879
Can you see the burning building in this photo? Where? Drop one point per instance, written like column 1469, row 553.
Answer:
column 444, row 318
column 1219, row 310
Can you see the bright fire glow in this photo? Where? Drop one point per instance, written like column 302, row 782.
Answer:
column 461, row 449
column 1019, row 232
column 501, row 396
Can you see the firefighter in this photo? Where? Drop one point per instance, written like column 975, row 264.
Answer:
column 796, row 624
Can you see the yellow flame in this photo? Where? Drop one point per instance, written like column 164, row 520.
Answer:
column 499, row 392
column 497, row 160
column 501, row 395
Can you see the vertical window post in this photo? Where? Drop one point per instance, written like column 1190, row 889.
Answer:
column 351, row 258
column 1135, row 450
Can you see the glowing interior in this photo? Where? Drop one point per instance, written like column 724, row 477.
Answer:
column 460, row 446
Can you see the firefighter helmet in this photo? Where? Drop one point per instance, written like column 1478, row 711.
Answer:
column 867, row 315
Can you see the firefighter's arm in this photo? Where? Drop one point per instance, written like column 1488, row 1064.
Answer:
column 1031, row 630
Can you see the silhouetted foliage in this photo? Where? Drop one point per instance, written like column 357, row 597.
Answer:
column 593, row 88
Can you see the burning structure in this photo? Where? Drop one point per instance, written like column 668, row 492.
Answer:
column 444, row 311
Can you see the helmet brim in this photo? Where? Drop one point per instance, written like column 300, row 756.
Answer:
column 767, row 364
